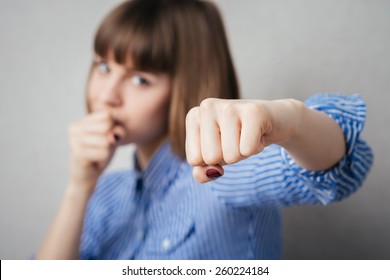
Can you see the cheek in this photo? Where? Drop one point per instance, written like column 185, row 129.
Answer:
column 92, row 93
column 156, row 115
column 161, row 117
column 148, row 117
column 161, row 112
column 92, row 86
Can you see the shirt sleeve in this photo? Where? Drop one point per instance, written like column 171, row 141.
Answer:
column 90, row 243
column 100, row 215
column 273, row 177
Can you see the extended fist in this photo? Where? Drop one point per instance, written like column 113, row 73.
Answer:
column 222, row 131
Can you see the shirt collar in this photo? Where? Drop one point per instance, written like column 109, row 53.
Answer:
column 160, row 171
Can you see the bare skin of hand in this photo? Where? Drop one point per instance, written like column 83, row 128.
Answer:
column 93, row 141
column 220, row 132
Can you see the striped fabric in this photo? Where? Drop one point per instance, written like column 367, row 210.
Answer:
column 164, row 213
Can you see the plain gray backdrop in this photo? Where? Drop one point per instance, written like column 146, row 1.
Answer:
column 282, row 49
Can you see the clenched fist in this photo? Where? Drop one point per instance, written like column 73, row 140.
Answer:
column 221, row 131
column 93, row 141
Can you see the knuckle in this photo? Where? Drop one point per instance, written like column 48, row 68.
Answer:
column 72, row 128
column 105, row 123
column 75, row 130
column 231, row 158
column 253, row 109
column 212, row 159
column 249, row 150
column 74, row 151
column 106, row 143
column 72, row 142
column 207, row 104
column 246, row 151
column 195, row 160
column 228, row 108
column 103, row 114
column 106, row 114
column 193, row 155
column 104, row 154
column 192, row 114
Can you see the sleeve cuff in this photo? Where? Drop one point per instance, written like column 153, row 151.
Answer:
column 348, row 174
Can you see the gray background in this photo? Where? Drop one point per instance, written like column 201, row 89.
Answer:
column 281, row 48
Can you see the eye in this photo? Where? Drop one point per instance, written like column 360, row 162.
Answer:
column 103, row 67
column 139, row 81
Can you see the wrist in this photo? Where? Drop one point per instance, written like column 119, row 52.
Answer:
column 287, row 124
column 80, row 189
column 298, row 116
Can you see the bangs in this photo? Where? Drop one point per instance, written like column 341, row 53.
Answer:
column 138, row 33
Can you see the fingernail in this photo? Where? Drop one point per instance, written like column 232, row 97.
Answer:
column 213, row 173
column 117, row 138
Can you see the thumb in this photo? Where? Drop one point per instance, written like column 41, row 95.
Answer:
column 204, row 174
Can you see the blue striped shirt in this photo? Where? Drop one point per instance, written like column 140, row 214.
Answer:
column 163, row 213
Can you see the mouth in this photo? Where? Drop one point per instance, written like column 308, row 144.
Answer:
column 117, row 138
column 117, row 122
column 118, row 130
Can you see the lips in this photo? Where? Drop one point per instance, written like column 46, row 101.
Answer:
column 118, row 131
column 117, row 138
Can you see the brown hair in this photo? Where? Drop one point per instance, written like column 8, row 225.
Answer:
column 183, row 38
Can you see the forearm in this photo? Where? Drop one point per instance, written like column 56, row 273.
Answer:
column 318, row 142
column 63, row 238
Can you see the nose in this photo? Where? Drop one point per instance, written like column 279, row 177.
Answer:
column 110, row 92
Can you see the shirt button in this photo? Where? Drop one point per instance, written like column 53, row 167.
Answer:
column 165, row 244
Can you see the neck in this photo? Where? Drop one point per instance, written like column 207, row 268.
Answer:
column 146, row 151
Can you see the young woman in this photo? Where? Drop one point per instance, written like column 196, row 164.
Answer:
column 163, row 79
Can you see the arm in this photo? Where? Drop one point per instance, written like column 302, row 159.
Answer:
column 317, row 142
column 92, row 144
column 227, row 131
column 63, row 238
column 275, row 177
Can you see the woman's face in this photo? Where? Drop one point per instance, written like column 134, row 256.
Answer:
column 138, row 101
